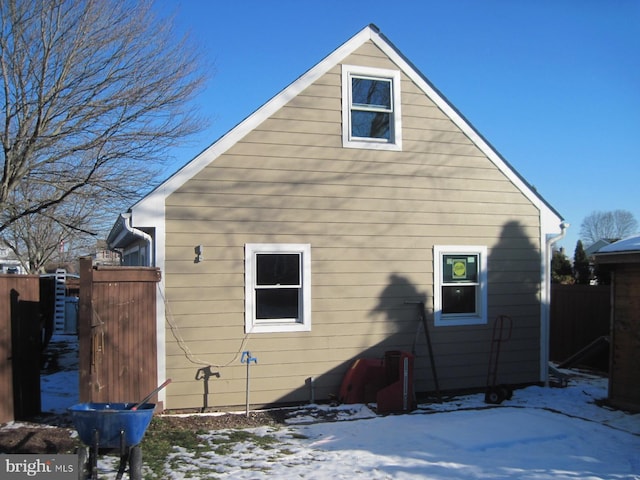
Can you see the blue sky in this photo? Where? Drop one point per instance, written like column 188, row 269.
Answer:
column 553, row 85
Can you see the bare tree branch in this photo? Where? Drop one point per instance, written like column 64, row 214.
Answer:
column 93, row 92
column 610, row 226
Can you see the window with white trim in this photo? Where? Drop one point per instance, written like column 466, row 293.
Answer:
column 371, row 108
column 460, row 285
column 277, row 288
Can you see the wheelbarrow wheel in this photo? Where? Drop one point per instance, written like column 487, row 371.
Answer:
column 135, row 463
column 84, row 469
column 494, row 396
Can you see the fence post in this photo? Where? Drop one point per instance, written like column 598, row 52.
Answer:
column 84, row 328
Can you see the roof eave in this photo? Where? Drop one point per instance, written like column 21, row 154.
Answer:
column 622, row 257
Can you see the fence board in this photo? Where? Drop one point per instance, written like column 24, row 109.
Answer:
column 19, row 347
column 624, row 388
column 579, row 315
column 117, row 332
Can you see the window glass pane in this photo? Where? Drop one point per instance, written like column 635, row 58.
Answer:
column 370, row 124
column 277, row 303
column 372, row 93
column 460, row 268
column 459, row 299
column 278, row 269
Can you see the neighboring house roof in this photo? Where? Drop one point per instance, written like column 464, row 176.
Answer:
column 123, row 234
column 149, row 211
column 630, row 244
column 625, row 250
column 596, row 246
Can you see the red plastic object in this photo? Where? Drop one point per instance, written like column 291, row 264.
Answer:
column 397, row 395
column 387, row 382
column 362, row 381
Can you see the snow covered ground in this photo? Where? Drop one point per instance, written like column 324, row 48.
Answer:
column 541, row 433
column 59, row 381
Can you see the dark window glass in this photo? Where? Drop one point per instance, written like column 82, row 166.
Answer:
column 370, row 124
column 371, row 108
column 371, row 93
column 278, row 269
column 459, row 299
column 277, row 303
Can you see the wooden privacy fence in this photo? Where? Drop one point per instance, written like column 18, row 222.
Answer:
column 580, row 314
column 117, row 332
column 20, row 345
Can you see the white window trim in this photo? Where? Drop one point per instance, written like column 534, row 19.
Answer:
column 395, row 142
column 442, row 320
column 300, row 325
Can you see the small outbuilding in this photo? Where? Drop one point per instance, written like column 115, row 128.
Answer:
column 622, row 258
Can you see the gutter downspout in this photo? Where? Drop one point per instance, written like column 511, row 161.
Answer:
column 139, row 233
column 546, row 304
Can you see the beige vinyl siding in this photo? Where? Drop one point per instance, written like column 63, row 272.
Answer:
column 372, row 219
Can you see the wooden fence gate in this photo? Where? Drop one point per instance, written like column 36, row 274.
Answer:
column 580, row 314
column 20, row 346
column 117, row 332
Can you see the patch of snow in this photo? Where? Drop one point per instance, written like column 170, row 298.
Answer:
column 540, row 434
column 60, row 389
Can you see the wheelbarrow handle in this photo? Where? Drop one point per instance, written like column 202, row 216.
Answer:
column 156, row 390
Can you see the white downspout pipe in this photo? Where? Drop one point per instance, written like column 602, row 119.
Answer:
column 546, row 304
column 139, row 233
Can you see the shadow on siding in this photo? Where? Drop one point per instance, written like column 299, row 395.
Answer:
column 514, row 273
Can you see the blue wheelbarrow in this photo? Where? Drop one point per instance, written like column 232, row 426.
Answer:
column 107, row 427
column 110, row 427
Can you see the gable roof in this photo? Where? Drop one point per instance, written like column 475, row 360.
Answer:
column 596, row 246
column 151, row 206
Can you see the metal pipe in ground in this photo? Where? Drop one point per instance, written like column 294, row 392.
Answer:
column 434, row 372
column 247, row 358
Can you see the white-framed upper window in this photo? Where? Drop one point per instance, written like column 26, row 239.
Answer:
column 460, row 285
column 277, row 287
column 371, row 116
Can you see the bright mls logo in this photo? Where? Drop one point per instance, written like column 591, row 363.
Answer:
column 50, row 467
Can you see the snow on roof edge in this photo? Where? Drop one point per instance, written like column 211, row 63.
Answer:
column 629, row 244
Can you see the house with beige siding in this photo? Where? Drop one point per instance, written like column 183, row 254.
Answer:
column 308, row 233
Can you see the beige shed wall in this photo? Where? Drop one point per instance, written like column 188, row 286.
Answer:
column 372, row 219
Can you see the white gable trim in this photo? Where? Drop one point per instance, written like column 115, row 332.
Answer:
column 466, row 128
column 260, row 115
column 153, row 203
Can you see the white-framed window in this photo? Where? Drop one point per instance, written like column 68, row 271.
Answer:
column 277, row 287
column 460, row 285
column 371, row 114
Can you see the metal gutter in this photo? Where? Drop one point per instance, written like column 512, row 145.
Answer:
column 127, row 230
column 546, row 303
